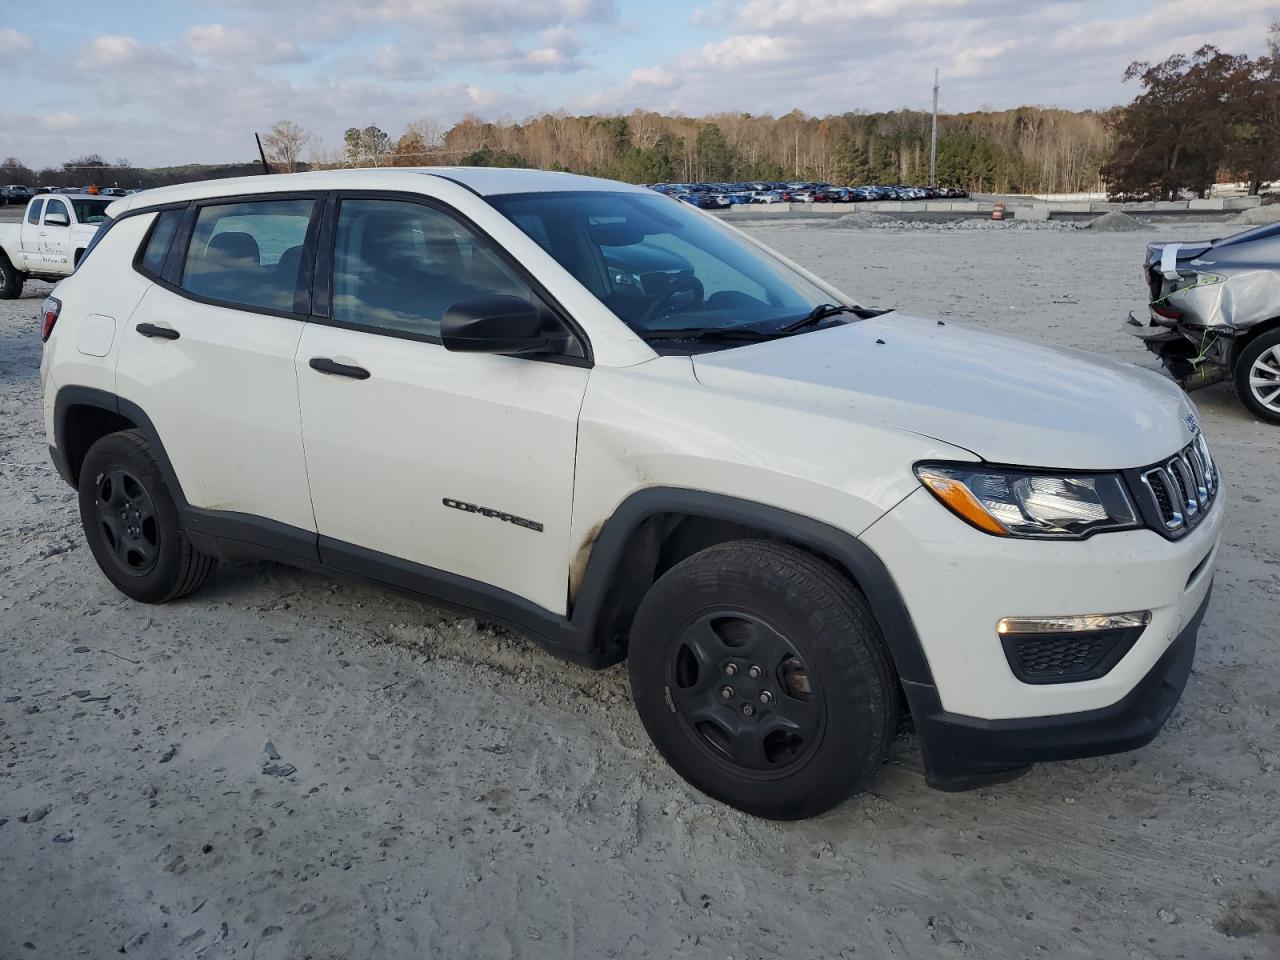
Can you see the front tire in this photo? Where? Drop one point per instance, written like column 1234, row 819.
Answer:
column 132, row 525
column 11, row 280
column 1257, row 368
column 763, row 679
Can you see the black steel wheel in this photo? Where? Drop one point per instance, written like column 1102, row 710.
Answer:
column 126, row 518
column 131, row 522
column 742, row 692
column 762, row 678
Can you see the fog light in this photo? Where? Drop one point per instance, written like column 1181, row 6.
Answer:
column 1076, row 624
column 1069, row 649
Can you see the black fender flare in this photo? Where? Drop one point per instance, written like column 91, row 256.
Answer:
column 288, row 542
column 859, row 560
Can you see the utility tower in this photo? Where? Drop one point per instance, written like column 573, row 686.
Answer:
column 933, row 141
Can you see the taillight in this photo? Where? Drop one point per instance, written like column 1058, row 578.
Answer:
column 49, row 311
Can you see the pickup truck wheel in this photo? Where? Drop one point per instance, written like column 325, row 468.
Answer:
column 1257, row 376
column 131, row 522
column 11, row 280
column 762, row 678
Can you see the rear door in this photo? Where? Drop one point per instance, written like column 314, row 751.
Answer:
column 209, row 353
column 417, row 456
column 30, row 240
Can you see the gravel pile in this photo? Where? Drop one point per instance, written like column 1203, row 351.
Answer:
column 1115, row 222
column 877, row 221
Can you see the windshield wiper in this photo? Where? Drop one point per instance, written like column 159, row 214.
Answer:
column 709, row 333
column 817, row 315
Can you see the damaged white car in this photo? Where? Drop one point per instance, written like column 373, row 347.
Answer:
column 1215, row 314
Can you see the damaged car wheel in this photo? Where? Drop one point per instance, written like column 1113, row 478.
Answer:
column 1257, row 376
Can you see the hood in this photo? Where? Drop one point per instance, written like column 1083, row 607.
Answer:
column 1003, row 399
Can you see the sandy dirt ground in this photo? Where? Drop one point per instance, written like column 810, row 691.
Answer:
column 286, row 767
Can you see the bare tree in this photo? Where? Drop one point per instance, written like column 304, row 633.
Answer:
column 284, row 144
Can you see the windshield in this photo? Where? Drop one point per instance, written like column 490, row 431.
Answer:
column 90, row 210
column 659, row 265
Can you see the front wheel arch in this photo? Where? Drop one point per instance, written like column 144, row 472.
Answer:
column 629, row 551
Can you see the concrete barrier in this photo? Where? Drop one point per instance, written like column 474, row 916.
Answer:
column 1241, row 203
column 1213, row 203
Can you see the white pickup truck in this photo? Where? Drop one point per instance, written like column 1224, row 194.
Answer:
column 50, row 240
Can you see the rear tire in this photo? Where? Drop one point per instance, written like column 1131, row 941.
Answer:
column 11, row 280
column 132, row 525
column 1257, row 366
column 763, row 679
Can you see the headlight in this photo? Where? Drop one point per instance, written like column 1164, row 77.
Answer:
column 1008, row 502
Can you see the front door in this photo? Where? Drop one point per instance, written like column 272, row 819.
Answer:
column 463, row 463
column 55, row 238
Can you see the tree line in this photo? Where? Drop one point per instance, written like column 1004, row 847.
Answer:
column 1197, row 119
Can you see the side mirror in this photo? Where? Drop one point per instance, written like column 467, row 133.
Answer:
column 506, row 325
column 56, row 220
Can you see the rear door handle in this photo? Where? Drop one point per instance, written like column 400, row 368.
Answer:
column 325, row 365
column 153, row 330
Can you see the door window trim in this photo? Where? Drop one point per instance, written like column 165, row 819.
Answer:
column 327, row 238
column 175, row 262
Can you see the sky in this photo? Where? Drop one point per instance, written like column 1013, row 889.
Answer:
column 182, row 81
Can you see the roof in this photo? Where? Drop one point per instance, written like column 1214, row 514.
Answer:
column 486, row 181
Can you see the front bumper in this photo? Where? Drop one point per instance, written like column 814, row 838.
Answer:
column 963, row 752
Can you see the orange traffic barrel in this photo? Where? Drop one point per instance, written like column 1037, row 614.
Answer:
column 997, row 212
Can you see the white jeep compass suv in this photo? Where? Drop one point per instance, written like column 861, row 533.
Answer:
column 611, row 422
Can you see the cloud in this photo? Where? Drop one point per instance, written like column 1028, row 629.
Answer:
column 110, row 50
column 216, row 41
column 842, row 55
column 15, row 41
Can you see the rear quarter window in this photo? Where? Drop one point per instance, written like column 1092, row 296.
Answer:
column 156, row 246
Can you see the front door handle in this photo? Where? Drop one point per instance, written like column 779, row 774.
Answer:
column 153, row 330
column 325, row 365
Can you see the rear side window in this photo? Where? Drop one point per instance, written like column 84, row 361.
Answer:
column 33, row 212
column 249, row 253
column 157, row 245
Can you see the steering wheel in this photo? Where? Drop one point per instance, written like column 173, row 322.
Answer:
column 679, row 284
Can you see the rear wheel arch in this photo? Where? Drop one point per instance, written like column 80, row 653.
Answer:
column 654, row 529
column 1241, row 343
column 83, row 415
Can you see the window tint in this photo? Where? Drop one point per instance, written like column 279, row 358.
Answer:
column 33, row 214
column 658, row 264
column 55, row 206
column 91, row 210
column 398, row 266
column 248, row 253
column 162, row 232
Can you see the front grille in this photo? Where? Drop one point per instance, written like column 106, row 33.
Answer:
column 1179, row 491
column 1066, row 657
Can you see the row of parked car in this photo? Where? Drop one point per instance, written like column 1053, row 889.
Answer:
column 714, row 196
column 18, row 193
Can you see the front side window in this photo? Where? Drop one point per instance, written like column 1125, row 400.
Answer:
column 398, row 266
column 659, row 265
column 33, row 213
column 55, row 206
column 248, row 253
